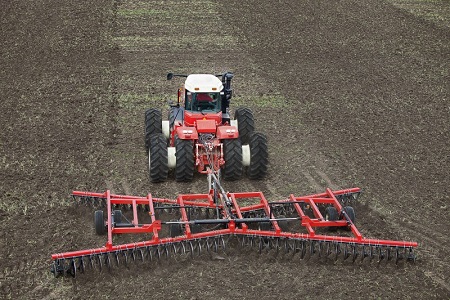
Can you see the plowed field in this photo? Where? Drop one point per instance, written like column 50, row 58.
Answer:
column 349, row 93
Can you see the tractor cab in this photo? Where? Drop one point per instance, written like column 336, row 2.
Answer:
column 202, row 97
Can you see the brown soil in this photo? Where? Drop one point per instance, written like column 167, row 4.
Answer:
column 349, row 93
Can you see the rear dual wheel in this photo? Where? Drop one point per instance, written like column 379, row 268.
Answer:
column 245, row 123
column 99, row 222
column 259, row 156
column 185, row 160
column 157, row 158
column 232, row 170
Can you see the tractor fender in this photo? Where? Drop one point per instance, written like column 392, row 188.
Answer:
column 187, row 133
column 246, row 155
column 171, row 157
column 166, row 128
column 227, row 132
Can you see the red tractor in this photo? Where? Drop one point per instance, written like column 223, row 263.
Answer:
column 200, row 135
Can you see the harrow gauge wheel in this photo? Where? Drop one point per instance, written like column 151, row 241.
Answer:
column 350, row 213
column 331, row 214
column 99, row 222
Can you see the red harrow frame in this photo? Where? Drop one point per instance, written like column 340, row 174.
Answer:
column 208, row 221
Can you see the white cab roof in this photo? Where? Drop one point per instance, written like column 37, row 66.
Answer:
column 203, row 83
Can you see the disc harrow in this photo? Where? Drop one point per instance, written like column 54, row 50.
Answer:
column 193, row 224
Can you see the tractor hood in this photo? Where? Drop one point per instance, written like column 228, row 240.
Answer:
column 203, row 83
column 206, row 126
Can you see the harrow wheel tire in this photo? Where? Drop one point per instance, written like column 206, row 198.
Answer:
column 157, row 158
column 184, row 170
column 259, row 156
column 99, row 222
column 246, row 124
column 232, row 170
column 350, row 213
column 153, row 124
column 331, row 214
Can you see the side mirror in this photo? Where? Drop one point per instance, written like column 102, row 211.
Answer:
column 169, row 76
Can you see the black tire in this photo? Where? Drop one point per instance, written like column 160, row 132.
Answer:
column 99, row 222
column 158, row 161
column 331, row 214
column 184, row 170
column 259, row 156
column 153, row 124
column 350, row 213
column 246, row 124
column 117, row 216
column 175, row 113
column 232, row 170
column 174, row 230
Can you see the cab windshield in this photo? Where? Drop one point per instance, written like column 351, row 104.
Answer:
column 203, row 102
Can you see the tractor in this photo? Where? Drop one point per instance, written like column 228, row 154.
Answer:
column 199, row 134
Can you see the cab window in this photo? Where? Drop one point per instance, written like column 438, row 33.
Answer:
column 203, row 102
